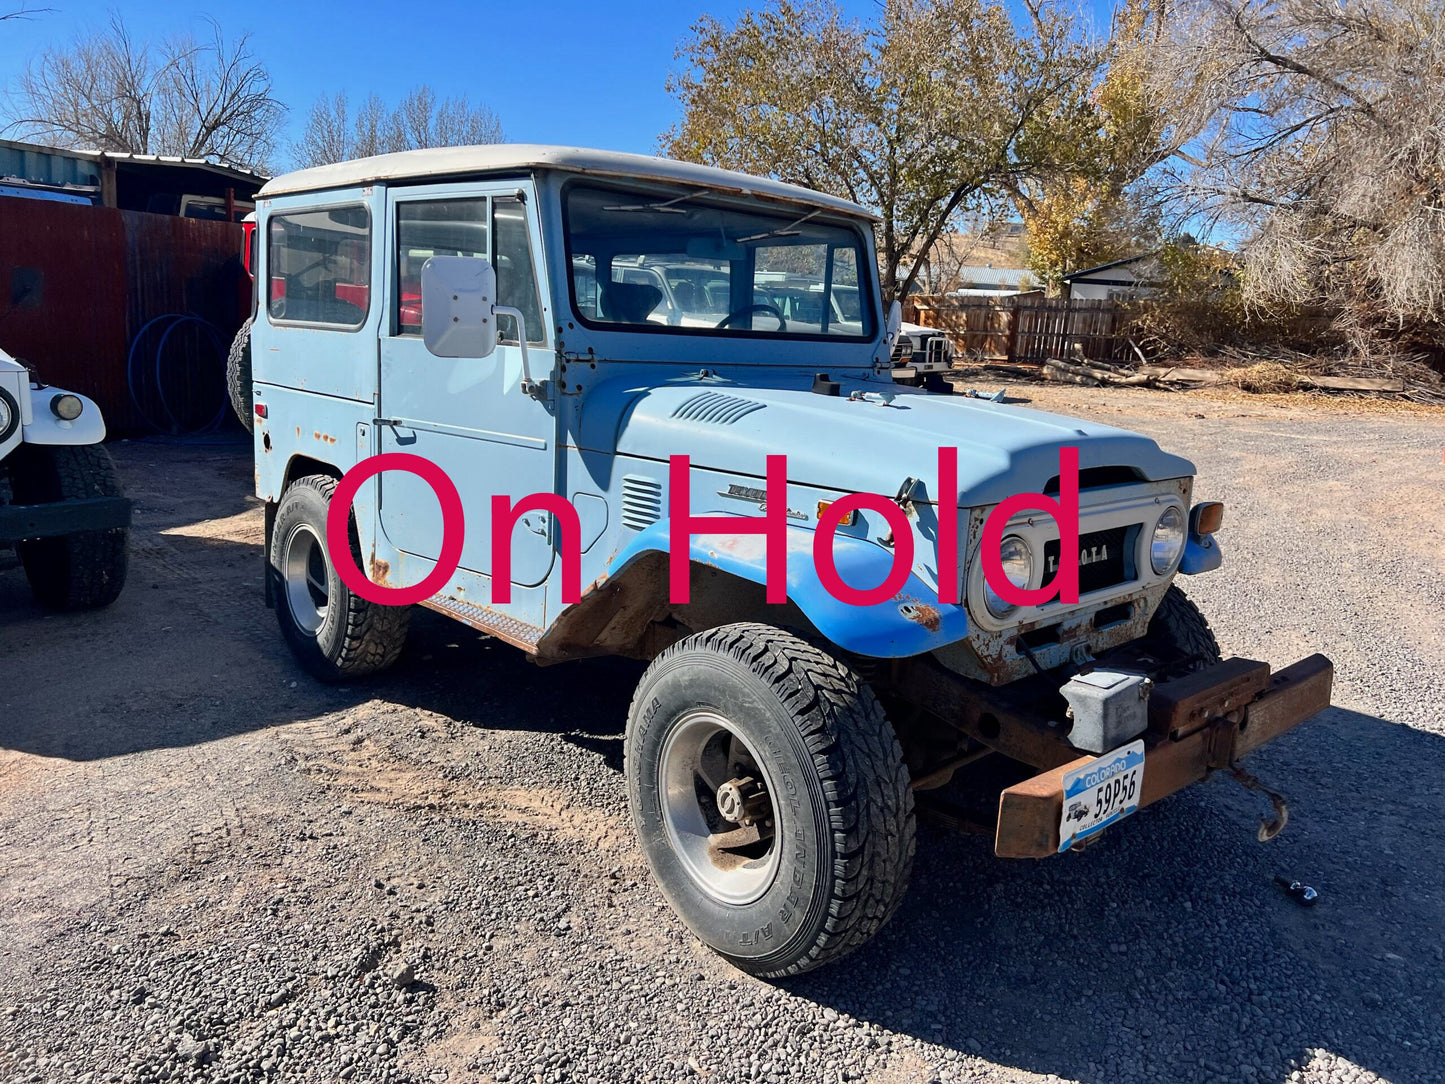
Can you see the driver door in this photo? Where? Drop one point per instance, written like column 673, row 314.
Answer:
column 467, row 415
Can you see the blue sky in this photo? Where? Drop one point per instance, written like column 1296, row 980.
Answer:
column 555, row 71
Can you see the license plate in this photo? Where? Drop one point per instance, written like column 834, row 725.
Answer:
column 1101, row 792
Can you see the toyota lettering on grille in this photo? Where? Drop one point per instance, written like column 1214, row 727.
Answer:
column 1090, row 556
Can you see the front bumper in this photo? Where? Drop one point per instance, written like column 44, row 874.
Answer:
column 1197, row 723
column 25, row 522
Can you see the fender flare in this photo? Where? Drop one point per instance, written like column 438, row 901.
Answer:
column 1201, row 554
column 912, row 622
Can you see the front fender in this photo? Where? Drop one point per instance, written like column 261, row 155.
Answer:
column 46, row 428
column 912, row 622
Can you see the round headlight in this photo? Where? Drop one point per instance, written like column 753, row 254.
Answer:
column 1018, row 566
column 9, row 414
column 1168, row 541
column 66, row 407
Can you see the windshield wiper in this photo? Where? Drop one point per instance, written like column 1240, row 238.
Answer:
column 790, row 230
column 666, row 206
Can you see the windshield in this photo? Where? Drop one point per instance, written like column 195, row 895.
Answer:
column 681, row 260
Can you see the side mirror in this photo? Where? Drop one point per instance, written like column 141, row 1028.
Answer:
column 458, row 307
column 895, row 321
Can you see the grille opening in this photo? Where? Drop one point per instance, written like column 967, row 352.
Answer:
column 1105, row 559
column 1040, row 637
column 1097, row 477
column 1113, row 615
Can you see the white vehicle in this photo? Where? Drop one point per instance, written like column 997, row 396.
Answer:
column 921, row 356
column 61, row 506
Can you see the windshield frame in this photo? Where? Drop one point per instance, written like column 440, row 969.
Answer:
column 650, row 192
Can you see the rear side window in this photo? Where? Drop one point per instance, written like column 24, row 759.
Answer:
column 319, row 267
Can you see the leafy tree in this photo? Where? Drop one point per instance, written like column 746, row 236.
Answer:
column 1089, row 201
column 183, row 96
column 333, row 133
column 920, row 115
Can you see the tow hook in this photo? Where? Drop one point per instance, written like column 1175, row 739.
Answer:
column 1269, row 827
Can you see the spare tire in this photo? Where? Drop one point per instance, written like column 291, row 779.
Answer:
column 238, row 376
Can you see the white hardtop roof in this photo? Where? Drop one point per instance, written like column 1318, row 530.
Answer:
column 444, row 162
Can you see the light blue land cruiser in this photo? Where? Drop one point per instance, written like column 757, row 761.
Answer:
column 549, row 320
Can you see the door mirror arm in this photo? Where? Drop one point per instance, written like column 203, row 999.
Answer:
column 533, row 388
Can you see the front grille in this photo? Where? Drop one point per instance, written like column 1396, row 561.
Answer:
column 1104, row 559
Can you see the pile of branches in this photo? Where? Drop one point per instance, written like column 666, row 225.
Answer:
column 1407, row 377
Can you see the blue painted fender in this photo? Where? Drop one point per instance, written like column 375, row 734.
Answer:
column 1200, row 555
column 912, row 622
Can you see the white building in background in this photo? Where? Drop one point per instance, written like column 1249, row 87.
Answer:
column 1121, row 280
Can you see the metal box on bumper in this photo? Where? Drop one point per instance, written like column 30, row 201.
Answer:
column 1204, row 721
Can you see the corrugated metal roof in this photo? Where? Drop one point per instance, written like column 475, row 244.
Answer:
column 48, row 164
column 505, row 157
column 997, row 276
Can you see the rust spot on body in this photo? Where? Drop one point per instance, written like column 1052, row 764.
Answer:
column 380, row 570
column 921, row 613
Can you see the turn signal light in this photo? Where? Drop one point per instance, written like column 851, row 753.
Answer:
column 1207, row 517
column 66, row 407
column 846, row 521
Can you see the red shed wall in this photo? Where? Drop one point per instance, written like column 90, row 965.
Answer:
column 103, row 274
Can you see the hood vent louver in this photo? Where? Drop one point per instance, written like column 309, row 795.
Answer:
column 641, row 501
column 715, row 408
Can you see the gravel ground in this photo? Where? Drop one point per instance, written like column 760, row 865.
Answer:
column 214, row 869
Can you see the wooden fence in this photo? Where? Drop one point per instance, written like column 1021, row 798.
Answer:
column 1028, row 327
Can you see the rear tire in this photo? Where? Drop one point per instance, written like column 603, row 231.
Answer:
column 335, row 635
column 754, row 708
column 238, row 377
column 81, row 571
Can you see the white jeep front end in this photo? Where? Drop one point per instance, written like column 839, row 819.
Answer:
column 61, row 505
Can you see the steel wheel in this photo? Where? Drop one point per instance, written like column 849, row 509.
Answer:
column 717, row 809
column 305, row 578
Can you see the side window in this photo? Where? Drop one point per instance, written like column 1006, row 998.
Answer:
column 427, row 228
column 516, row 276
column 319, row 265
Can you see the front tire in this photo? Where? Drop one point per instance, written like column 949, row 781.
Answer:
column 335, row 635
column 747, row 719
column 1182, row 630
column 81, row 571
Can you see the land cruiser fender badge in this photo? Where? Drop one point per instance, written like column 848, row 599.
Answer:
column 756, row 496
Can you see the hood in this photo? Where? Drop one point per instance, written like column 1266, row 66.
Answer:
column 866, row 445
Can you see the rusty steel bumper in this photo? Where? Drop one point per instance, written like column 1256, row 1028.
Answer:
column 1198, row 723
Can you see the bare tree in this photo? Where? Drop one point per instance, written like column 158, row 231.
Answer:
column 183, row 96
column 420, row 119
column 1318, row 132
column 24, row 12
